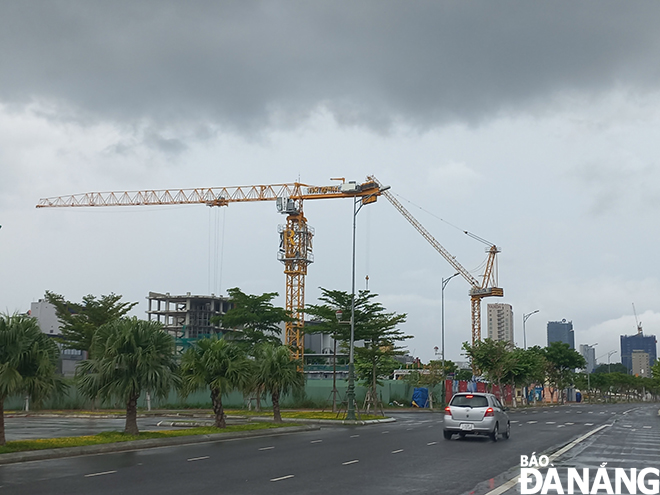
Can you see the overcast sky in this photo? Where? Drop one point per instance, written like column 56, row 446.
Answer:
column 534, row 125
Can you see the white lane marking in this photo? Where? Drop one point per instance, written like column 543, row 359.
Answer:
column 550, row 422
column 514, row 481
column 570, row 423
column 408, row 429
column 383, row 432
column 282, row 478
column 588, row 424
column 354, row 436
column 590, row 412
column 531, row 422
column 99, row 474
column 198, row 458
column 648, row 427
column 627, row 426
column 433, row 443
column 266, row 448
column 626, row 412
column 349, row 462
column 513, row 421
column 316, row 441
column 397, row 451
column 561, row 426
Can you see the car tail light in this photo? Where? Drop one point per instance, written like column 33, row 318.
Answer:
column 489, row 412
column 448, row 410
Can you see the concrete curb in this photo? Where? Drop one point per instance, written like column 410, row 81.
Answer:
column 261, row 419
column 39, row 455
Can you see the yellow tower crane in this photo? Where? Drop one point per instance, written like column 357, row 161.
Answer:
column 295, row 250
column 478, row 290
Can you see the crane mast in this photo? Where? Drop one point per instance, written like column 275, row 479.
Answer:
column 295, row 250
column 478, row 290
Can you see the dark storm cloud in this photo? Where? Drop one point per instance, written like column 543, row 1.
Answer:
column 254, row 64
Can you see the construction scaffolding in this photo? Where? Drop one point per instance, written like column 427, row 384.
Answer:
column 187, row 318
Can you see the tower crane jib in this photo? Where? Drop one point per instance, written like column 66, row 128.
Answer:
column 478, row 290
column 295, row 250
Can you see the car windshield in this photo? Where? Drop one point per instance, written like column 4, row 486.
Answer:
column 469, row 401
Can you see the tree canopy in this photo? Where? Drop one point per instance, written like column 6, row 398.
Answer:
column 492, row 357
column 130, row 356
column 562, row 363
column 80, row 321
column 256, row 317
column 219, row 364
column 372, row 324
column 28, row 362
column 610, row 368
column 278, row 374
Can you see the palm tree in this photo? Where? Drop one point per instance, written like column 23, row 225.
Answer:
column 131, row 356
column 278, row 374
column 28, row 362
column 217, row 363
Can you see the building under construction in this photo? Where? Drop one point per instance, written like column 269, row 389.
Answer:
column 187, row 318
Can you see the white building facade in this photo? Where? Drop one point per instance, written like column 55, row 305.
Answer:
column 500, row 322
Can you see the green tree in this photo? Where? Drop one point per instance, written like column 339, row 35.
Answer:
column 256, row 317
column 527, row 366
column 131, row 356
column 80, row 321
column 463, row 375
column 372, row 324
column 493, row 358
column 28, row 362
column 561, row 364
column 278, row 373
column 219, row 364
column 611, row 368
column 325, row 315
column 434, row 375
column 655, row 371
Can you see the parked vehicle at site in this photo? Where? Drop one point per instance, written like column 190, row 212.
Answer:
column 476, row 414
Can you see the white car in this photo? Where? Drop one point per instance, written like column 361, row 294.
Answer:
column 476, row 414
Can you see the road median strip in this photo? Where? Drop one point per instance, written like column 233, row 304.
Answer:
column 129, row 445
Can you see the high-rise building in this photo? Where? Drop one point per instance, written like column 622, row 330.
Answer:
column 589, row 354
column 641, row 364
column 638, row 342
column 45, row 314
column 561, row 331
column 500, row 322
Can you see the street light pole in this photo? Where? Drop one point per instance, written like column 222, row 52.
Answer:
column 609, row 365
column 525, row 318
column 590, row 346
column 445, row 281
column 350, row 392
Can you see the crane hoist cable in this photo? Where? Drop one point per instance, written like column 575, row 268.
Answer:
column 487, row 287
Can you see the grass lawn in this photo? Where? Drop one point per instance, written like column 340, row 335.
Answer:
column 116, row 436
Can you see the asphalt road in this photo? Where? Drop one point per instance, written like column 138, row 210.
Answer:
column 409, row 456
column 31, row 427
